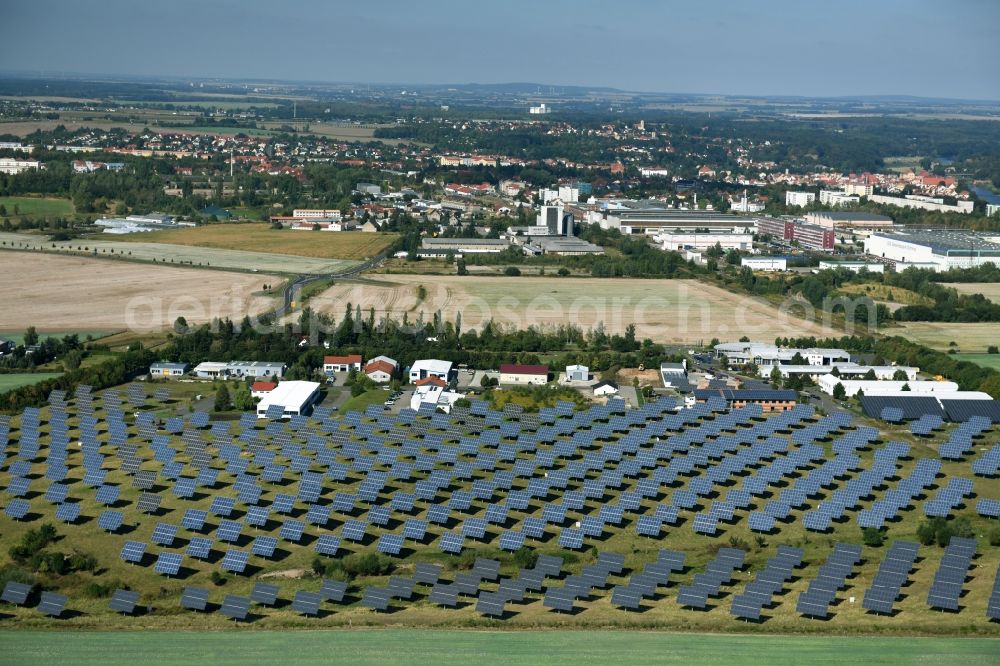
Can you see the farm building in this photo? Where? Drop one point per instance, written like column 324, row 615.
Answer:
column 511, row 373
column 380, row 369
column 430, row 367
column 168, row 370
column 332, row 364
column 577, row 373
column 295, row 397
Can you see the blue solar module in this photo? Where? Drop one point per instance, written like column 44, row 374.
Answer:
column 451, row 542
column 222, row 506
column 264, row 546
column 56, row 493
column 110, row 521
column 328, row 544
column 235, row 561
column 292, row 530
column 168, row 564
column 390, row 544
column 415, row 530
column 511, row 540
column 163, row 534
column 571, row 538
column 194, row 519
column 68, row 512
column 257, row 516
column 133, row 552
column 229, row 531
column 354, row 530
column 200, row 548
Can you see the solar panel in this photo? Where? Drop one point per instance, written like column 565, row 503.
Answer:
column 52, row 603
column 194, row 598
column 15, row 593
column 264, row 546
column 124, row 601
column 200, row 548
column 328, row 544
column 235, row 607
column 306, row 603
column 168, row 564
column 110, row 521
column 68, row 512
column 133, row 551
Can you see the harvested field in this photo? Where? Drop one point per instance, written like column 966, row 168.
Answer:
column 937, row 335
column 262, row 238
column 990, row 290
column 53, row 292
column 111, row 246
column 663, row 310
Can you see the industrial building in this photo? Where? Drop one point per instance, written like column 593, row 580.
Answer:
column 430, row 367
column 827, row 384
column 936, row 249
column 565, row 246
column 238, row 369
column 836, row 198
column 937, row 204
column 465, row 245
column 577, row 373
column 678, row 239
column 853, row 219
column 511, row 373
column 435, row 397
column 765, row 263
column 295, row 397
column 787, row 232
column 633, row 217
column 849, row 370
column 168, row 370
column 855, row 266
column 766, row 356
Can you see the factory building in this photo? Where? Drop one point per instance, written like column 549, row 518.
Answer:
column 937, row 249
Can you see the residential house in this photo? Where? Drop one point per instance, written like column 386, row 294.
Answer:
column 605, row 388
column 260, row 389
column 332, row 364
column 381, row 369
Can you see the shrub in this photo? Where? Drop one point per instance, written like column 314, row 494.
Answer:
column 97, row 590
column 217, row 578
column 994, row 536
column 872, row 537
column 33, row 542
column 512, row 271
column 739, row 542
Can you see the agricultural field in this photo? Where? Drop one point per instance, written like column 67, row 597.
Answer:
column 881, row 293
column 293, row 562
column 939, row 335
column 541, row 648
column 140, row 250
column 990, row 290
column 65, row 293
column 9, row 382
column 36, row 206
column 985, row 360
column 254, row 237
column 678, row 311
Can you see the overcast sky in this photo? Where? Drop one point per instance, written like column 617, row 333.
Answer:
column 759, row 47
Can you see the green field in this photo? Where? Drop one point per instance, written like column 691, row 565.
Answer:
column 939, row 335
column 360, row 403
column 985, row 360
column 442, row 648
column 9, row 382
column 36, row 207
column 17, row 337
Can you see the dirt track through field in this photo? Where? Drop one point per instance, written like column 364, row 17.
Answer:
column 75, row 293
column 663, row 310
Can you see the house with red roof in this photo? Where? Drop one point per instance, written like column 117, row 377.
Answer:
column 260, row 389
column 332, row 364
column 511, row 373
column 380, row 369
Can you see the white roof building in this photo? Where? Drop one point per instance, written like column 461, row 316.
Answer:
column 436, row 396
column 295, row 397
column 430, row 367
column 850, row 370
column 765, row 355
column 827, row 384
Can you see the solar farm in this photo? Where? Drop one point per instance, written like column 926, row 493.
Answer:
column 700, row 518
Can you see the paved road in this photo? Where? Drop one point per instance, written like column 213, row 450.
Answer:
column 293, row 288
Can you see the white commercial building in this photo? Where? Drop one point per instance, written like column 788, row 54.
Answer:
column 765, row 355
column 938, row 249
column 434, row 396
column 675, row 240
column 799, row 198
column 577, row 373
column 316, row 213
column 238, row 369
column 12, row 165
column 924, row 203
column 541, row 109
column 835, row 198
column 295, row 398
column 850, row 370
column 827, row 383
column 855, row 266
column 765, row 263
column 430, row 367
